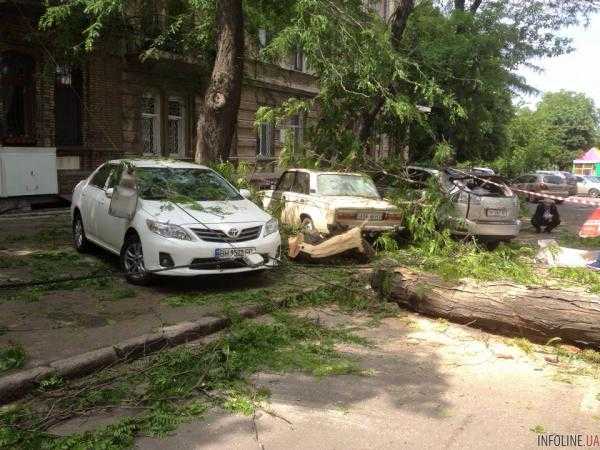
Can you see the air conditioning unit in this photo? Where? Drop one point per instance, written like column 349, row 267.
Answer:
column 27, row 171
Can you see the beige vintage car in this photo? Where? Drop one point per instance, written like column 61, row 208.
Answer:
column 331, row 202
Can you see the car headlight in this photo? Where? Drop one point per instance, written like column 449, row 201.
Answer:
column 272, row 226
column 168, row 230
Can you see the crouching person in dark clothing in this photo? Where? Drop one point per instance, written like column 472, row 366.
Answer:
column 546, row 215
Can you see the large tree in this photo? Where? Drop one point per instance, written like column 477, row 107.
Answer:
column 217, row 123
column 474, row 50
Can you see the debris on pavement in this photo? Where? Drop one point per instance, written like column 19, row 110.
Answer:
column 553, row 255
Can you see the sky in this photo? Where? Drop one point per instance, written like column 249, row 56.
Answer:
column 578, row 71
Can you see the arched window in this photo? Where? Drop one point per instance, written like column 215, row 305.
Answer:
column 17, row 94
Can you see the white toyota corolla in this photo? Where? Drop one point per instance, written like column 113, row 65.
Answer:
column 172, row 218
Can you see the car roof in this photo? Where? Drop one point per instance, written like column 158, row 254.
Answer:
column 168, row 163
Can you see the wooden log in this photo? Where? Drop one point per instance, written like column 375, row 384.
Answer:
column 334, row 246
column 537, row 313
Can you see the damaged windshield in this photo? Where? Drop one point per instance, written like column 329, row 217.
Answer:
column 346, row 185
column 183, row 184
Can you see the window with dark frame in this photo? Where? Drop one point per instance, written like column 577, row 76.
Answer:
column 68, row 94
column 17, row 99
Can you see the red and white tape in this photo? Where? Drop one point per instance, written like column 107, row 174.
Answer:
column 579, row 201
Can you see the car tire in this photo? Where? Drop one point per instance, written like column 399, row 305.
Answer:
column 594, row 193
column 132, row 262
column 490, row 246
column 80, row 241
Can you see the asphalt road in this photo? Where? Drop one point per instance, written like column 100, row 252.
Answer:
column 432, row 385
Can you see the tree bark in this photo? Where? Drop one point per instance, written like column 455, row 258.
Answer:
column 537, row 313
column 218, row 120
column 459, row 5
column 398, row 22
column 475, row 6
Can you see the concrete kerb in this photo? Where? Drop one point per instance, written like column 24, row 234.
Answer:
column 18, row 384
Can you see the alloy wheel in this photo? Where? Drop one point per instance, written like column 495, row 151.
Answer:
column 134, row 260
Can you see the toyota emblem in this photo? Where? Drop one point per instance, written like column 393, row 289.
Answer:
column 233, row 232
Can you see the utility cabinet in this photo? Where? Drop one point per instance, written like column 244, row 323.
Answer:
column 27, row 171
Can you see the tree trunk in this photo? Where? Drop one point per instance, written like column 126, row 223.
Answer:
column 475, row 6
column 217, row 122
column 537, row 313
column 398, row 20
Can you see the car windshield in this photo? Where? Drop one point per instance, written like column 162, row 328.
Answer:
column 183, row 184
column 593, row 179
column 346, row 185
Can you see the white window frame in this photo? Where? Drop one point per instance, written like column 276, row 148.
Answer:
column 181, row 132
column 265, row 148
column 156, row 128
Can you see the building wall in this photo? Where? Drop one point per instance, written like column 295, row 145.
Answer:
column 111, row 102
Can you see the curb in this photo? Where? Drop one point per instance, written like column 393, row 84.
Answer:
column 18, row 384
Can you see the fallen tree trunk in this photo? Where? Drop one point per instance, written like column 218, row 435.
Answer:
column 537, row 313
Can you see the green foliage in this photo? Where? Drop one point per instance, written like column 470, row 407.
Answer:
column 455, row 260
column 443, row 155
column 564, row 124
column 11, row 358
column 350, row 50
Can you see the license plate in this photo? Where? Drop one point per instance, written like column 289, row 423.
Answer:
column 229, row 253
column 369, row 216
column 496, row 212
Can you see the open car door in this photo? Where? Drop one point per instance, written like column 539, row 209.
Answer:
column 124, row 199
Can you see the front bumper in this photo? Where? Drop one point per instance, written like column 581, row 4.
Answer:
column 201, row 255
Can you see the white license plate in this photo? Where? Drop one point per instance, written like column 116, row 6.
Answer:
column 369, row 216
column 229, row 253
column 496, row 212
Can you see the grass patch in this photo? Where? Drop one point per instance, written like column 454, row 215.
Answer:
column 58, row 235
column 455, row 261
column 581, row 276
column 174, row 386
column 11, row 358
column 524, row 344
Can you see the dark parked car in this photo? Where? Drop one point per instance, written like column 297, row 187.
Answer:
column 543, row 183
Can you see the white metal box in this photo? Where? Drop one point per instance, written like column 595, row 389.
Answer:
column 27, row 171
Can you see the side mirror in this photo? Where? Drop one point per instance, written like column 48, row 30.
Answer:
column 245, row 193
column 109, row 192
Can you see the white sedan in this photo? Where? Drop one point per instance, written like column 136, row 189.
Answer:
column 331, row 201
column 588, row 185
column 172, row 218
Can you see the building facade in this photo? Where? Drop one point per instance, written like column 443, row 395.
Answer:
column 60, row 121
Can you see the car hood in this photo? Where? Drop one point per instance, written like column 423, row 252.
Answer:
column 340, row 202
column 238, row 211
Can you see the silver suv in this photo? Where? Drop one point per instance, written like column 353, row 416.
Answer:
column 481, row 209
